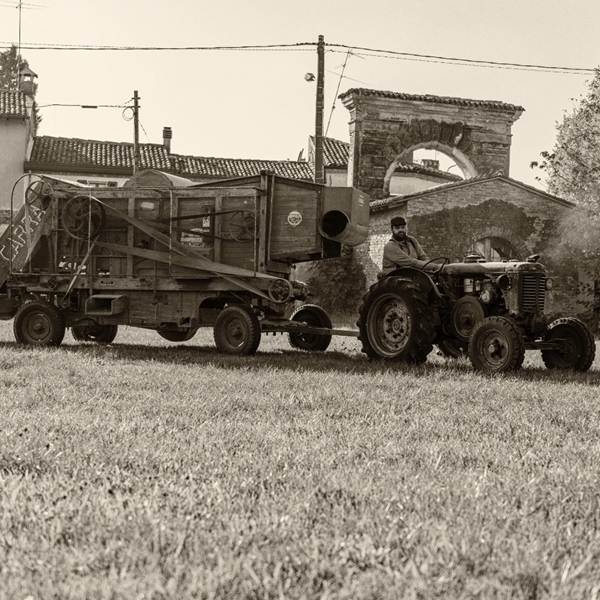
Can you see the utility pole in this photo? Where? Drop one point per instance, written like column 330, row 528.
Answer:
column 319, row 170
column 136, row 133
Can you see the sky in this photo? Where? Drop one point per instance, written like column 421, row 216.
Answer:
column 257, row 103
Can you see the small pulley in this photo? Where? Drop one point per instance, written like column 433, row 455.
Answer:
column 280, row 290
column 38, row 194
column 83, row 217
column 242, row 226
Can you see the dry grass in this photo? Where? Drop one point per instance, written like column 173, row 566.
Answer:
column 154, row 470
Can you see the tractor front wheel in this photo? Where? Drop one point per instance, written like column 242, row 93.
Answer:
column 237, row 330
column 396, row 321
column 97, row 333
column 578, row 346
column 315, row 316
column 39, row 323
column 496, row 346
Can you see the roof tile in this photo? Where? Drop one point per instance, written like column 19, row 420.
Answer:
column 12, row 104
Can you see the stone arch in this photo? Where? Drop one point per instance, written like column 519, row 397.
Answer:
column 384, row 126
column 462, row 160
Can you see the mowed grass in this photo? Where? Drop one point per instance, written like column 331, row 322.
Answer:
column 148, row 469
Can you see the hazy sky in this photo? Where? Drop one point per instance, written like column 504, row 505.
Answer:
column 257, row 104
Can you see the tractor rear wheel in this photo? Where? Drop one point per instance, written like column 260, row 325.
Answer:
column 396, row 321
column 579, row 348
column 100, row 334
column 452, row 348
column 178, row 336
column 237, row 330
column 39, row 323
column 313, row 315
column 496, row 346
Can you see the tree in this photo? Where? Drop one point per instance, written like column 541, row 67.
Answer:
column 11, row 65
column 573, row 167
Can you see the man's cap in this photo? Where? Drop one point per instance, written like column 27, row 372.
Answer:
column 398, row 221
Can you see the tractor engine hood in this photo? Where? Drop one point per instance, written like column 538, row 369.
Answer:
column 491, row 268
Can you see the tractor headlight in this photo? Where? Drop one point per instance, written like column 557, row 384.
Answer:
column 503, row 282
column 549, row 284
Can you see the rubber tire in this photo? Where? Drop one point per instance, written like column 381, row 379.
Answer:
column 237, row 330
column 314, row 315
column 99, row 334
column 580, row 356
column 452, row 348
column 44, row 317
column 407, row 296
column 178, row 336
column 504, row 332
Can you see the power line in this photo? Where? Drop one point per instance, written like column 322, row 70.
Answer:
column 308, row 47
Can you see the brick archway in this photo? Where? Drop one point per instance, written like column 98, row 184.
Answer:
column 387, row 126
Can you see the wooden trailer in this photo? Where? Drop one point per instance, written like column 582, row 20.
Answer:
column 166, row 254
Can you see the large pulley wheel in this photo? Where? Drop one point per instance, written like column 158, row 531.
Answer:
column 39, row 323
column 396, row 322
column 496, row 346
column 178, row 336
column 466, row 313
column 83, row 217
column 97, row 333
column 577, row 346
column 237, row 330
column 315, row 316
column 242, row 226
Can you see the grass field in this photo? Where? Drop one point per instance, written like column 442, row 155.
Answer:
column 147, row 469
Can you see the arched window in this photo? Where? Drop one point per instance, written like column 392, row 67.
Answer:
column 494, row 248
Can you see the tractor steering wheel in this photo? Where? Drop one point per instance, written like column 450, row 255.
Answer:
column 437, row 272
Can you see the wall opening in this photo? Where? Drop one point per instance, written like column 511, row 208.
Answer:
column 494, row 249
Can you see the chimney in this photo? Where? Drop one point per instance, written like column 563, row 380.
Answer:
column 27, row 82
column 167, row 136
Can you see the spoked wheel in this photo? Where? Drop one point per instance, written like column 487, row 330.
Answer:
column 39, row 323
column 178, row 336
column 313, row 315
column 496, row 346
column 237, row 330
column 453, row 348
column 578, row 346
column 396, row 321
column 100, row 334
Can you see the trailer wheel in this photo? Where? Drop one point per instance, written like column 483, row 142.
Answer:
column 579, row 347
column 39, row 323
column 313, row 315
column 396, row 321
column 496, row 346
column 100, row 334
column 237, row 330
column 178, row 336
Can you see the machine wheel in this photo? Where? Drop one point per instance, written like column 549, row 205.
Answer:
column 453, row 348
column 579, row 348
column 178, row 336
column 237, row 330
column 496, row 346
column 396, row 321
column 100, row 334
column 39, row 323
column 314, row 315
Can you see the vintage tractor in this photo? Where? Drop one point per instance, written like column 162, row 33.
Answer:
column 490, row 311
column 167, row 254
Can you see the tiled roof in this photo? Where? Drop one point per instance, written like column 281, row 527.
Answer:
column 202, row 166
column 384, row 203
column 72, row 152
column 65, row 153
column 435, row 99
column 12, row 104
column 335, row 153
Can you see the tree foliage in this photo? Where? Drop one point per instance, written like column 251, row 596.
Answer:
column 11, row 65
column 573, row 173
